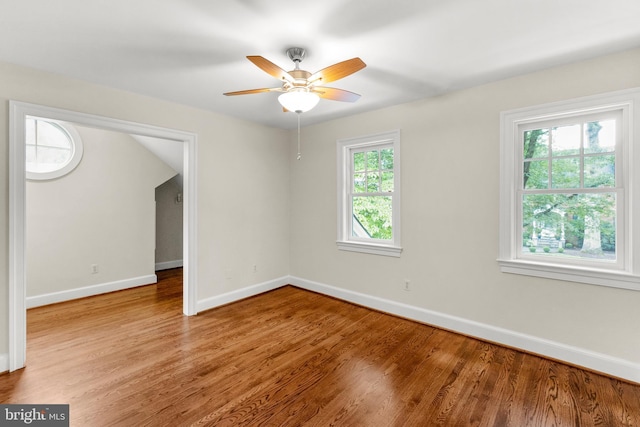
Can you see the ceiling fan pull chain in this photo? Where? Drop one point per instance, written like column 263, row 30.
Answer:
column 299, row 155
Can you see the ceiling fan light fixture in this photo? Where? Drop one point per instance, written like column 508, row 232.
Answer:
column 299, row 101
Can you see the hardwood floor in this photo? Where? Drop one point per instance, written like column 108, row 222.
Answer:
column 290, row 358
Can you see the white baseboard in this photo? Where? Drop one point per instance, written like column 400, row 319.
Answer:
column 249, row 291
column 574, row 355
column 102, row 288
column 4, row 362
column 166, row 265
column 588, row 359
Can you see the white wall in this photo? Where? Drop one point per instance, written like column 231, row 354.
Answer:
column 450, row 185
column 169, row 219
column 243, row 176
column 102, row 213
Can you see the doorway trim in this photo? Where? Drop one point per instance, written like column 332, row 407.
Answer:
column 17, row 209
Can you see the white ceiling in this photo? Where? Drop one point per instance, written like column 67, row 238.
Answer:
column 191, row 51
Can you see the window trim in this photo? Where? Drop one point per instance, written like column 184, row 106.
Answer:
column 344, row 148
column 77, row 151
column 627, row 274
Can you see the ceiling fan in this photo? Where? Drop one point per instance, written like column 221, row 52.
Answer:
column 301, row 89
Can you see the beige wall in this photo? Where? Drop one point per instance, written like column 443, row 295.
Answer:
column 257, row 208
column 450, row 187
column 243, row 175
column 102, row 213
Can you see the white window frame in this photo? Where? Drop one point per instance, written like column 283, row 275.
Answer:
column 345, row 240
column 77, row 151
column 625, row 272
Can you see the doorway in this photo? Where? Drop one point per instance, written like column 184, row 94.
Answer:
column 19, row 111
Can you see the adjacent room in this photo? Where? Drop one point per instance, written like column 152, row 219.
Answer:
column 346, row 213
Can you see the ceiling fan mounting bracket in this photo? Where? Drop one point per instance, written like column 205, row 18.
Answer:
column 296, row 54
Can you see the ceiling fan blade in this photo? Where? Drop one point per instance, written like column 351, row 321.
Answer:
column 337, row 71
column 270, row 68
column 335, row 94
column 251, row 91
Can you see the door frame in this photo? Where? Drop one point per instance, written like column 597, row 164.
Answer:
column 17, row 209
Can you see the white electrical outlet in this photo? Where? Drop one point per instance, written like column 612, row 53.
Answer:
column 94, row 269
column 255, row 268
column 406, row 284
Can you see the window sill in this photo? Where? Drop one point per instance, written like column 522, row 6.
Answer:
column 370, row 248
column 592, row 276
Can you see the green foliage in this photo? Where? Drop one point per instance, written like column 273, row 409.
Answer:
column 532, row 248
column 373, row 158
column 608, row 236
column 375, row 215
column 553, row 159
column 386, row 159
column 536, row 143
column 373, row 174
column 546, row 249
column 560, row 250
column 358, row 162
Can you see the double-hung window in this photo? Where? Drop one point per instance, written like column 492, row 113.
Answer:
column 369, row 194
column 569, row 190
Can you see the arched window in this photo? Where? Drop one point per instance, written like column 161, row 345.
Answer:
column 53, row 149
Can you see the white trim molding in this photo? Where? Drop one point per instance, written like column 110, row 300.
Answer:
column 591, row 276
column 624, row 272
column 606, row 364
column 240, row 294
column 18, row 111
column 585, row 358
column 166, row 265
column 4, row 362
column 370, row 248
column 347, row 240
column 88, row 291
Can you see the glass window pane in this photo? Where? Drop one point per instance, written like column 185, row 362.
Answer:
column 49, row 147
column 536, row 143
column 565, row 140
column 51, row 135
column 600, row 171
column 387, row 181
column 30, row 131
column 358, row 162
column 359, row 185
column 372, row 160
column 31, row 154
column 565, row 173
column 51, row 159
column 373, row 182
column 570, row 225
column 536, row 174
column 386, row 159
column 372, row 217
column 600, row 136
column 53, row 156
